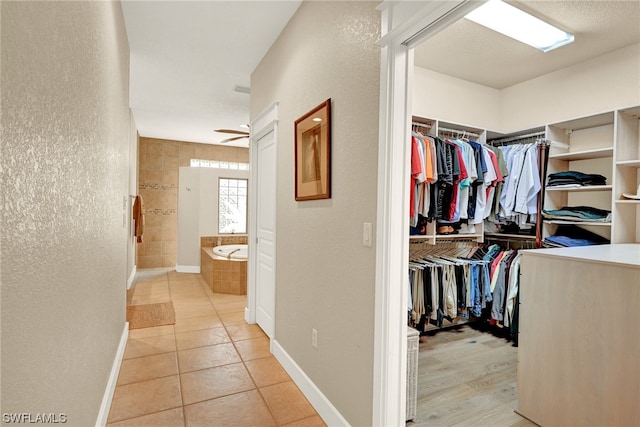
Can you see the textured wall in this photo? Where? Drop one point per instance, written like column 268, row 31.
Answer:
column 65, row 173
column 325, row 276
column 159, row 163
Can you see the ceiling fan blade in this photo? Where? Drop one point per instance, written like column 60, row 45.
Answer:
column 233, row 139
column 238, row 132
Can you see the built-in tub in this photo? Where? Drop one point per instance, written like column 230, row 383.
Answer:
column 224, row 268
column 231, row 251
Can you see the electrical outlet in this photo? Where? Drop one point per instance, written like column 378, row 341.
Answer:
column 314, row 338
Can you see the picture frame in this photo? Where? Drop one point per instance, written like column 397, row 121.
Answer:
column 313, row 154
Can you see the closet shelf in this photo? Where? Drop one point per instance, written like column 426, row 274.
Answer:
column 630, row 163
column 583, row 155
column 510, row 236
column 628, row 202
column 458, row 236
column 420, row 237
column 561, row 222
column 583, row 188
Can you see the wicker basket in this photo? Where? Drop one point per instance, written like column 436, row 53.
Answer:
column 413, row 345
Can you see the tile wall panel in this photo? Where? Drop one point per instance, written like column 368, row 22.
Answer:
column 159, row 163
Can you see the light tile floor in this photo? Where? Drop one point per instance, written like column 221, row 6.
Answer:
column 209, row 369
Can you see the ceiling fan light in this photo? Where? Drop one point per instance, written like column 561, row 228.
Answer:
column 519, row 25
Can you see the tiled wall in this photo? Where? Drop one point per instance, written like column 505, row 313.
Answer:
column 212, row 241
column 159, row 161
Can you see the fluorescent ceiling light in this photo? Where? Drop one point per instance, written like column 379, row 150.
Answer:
column 519, row 25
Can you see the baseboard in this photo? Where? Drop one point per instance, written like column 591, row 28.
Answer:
column 103, row 415
column 322, row 405
column 132, row 277
column 187, row 268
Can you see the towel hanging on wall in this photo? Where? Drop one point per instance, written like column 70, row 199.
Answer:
column 138, row 218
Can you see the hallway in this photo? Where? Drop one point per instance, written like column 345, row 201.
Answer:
column 210, row 368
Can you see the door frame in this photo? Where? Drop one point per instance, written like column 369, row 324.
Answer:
column 265, row 123
column 404, row 25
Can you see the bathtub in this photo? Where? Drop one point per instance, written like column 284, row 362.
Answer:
column 224, row 268
column 231, row 251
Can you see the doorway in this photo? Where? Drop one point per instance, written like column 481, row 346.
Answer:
column 261, row 293
column 405, row 24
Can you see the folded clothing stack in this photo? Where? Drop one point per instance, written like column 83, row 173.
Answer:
column 578, row 213
column 571, row 179
column 571, row 236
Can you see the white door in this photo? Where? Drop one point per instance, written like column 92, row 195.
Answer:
column 265, row 283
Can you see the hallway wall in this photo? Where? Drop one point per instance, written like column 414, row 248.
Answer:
column 325, row 277
column 159, row 163
column 65, row 182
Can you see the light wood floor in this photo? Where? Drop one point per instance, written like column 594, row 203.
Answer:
column 467, row 377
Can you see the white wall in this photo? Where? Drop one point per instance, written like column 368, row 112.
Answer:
column 325, row 277
column 133, row 190
column 442, row 97
column 198, row 211
column 65, row 173
column 604, row 83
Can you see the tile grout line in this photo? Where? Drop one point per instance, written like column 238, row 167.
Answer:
column 175, row 340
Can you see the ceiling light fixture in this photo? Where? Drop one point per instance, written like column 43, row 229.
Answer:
column 513, row 22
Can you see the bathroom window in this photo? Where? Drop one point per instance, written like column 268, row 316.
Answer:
column 232, row 206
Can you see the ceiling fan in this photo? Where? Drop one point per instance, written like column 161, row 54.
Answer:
column 243, row 134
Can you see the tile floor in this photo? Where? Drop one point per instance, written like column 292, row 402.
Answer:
column 209, row 369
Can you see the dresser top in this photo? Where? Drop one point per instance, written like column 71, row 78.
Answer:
column 627, row 254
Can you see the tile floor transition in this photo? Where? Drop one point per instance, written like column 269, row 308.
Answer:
column 209, row 369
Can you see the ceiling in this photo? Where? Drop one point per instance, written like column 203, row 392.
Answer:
column 187, row 56
column 469, row 51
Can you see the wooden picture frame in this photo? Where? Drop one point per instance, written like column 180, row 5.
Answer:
column 313, row 154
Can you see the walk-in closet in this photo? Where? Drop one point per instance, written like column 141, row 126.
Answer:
column 524, row 209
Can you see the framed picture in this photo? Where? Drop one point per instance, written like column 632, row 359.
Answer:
column 313, row 153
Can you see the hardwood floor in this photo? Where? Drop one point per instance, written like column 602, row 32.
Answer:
column 467, row 377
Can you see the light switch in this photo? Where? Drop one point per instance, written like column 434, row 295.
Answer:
column 367, row 237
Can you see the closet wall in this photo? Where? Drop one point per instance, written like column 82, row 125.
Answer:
column 598, row 85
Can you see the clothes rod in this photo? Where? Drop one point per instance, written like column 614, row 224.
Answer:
column 517, row 138
column 424, row 125
column 458, row 131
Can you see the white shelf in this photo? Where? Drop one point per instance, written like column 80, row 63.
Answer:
column 510, row 236
column 561, row 222
column 584, row 188
column 596, row 153
column 628, row 202
column 458, row 236
column 630, row 163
